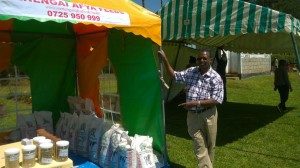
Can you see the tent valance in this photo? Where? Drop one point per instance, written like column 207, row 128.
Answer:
column 123, row 14
column 240, row 26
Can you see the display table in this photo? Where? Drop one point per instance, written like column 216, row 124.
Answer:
column 54, row 164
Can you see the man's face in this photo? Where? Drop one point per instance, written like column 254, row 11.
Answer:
column 204, row 60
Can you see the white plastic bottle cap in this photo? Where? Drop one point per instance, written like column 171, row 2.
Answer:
column 46, row 145
column 48, row 140
column 62, row 143
column 28, row 148
column 11, row 151
column 38, row 138
column 44, row 141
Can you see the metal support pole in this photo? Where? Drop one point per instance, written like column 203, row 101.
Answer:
column 296, row 50
column 165, row 159
column 16, row 89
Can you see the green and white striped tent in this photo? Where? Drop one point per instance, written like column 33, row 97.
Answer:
column 239, row 26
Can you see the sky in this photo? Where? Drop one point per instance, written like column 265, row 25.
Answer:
column 152, row 5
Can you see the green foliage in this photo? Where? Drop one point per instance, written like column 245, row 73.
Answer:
column 251, row 132
column 289, row 7
column 292, row 7
column 5, row 74
column 291, row 58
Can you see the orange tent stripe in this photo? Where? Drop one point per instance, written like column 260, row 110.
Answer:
column 92, row 51
column 6, row 49
column 6, row 24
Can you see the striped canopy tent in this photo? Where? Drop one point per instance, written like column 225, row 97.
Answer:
column 51, row 40
column 237, row 25
column 234, row 24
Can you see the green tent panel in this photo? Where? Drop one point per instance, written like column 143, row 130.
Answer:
column 136, row 71
column 50, row 65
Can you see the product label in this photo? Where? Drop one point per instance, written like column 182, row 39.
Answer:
column 63, row 153
column 46, row 156
column 13, row 157
column 46, row 160
column 29, row 155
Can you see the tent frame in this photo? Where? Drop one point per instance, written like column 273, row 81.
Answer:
column 165, row 153
column 296, row 49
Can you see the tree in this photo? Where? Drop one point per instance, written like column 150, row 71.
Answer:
column 291, row 7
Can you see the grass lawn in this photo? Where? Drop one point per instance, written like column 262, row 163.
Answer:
column 8, row 121
column 251, row 132
column 7, row 92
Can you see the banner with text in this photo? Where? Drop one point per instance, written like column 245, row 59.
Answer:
column 60, row 11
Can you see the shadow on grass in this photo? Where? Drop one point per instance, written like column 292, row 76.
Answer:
column 176, row 118
column 264, row 154
column 235, row 120
column 174, row 165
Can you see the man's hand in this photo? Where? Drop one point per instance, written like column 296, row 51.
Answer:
column 162, row 54
column 168, row 67
column 189, row 104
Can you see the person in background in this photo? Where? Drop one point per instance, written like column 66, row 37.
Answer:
column 204, row 91
column 192, row 62
column 276, row 63
column 221, row 58
column 282, row 84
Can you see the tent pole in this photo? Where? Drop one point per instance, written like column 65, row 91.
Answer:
column 165, row 159
column 296, row 50
column 174, row 69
